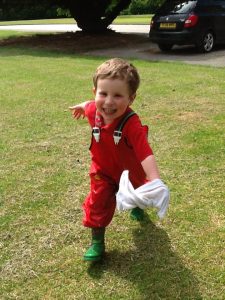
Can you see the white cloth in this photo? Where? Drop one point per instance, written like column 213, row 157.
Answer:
column 151, row 194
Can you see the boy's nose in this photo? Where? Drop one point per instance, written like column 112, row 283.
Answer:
column 109, row 100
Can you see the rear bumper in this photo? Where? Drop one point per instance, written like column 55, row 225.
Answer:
column 178, row 38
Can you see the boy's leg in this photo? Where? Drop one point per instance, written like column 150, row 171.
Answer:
column 99, row 207
column 97, row 248
column 137, row 214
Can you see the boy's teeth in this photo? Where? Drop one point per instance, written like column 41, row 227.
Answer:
column 108, row 110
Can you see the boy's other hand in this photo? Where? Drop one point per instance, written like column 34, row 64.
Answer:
column 77, row 111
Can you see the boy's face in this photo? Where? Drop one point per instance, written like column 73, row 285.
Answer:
column 112, row 98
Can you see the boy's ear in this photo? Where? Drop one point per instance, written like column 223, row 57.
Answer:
column 94, row 90
column 132, row 97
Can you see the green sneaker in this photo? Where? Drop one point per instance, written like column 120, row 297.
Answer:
column 137, row 214
column 95, row 252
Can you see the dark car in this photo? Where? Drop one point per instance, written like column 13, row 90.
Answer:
column 199, row 22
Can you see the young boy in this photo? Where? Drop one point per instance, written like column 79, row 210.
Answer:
column 119, row 142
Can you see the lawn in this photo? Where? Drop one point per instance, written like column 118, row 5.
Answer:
column 126, row 19
column 44, row 179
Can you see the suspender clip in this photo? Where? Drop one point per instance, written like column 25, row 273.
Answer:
column 96, row 133
column 117, row 136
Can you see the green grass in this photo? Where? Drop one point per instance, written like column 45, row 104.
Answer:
column 5, row 34
column 134, row 19
column 44, row 179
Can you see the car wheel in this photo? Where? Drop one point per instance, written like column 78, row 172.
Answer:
column 165, row 47
column 206, row 43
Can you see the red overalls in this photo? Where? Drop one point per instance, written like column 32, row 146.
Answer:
column 109, row 161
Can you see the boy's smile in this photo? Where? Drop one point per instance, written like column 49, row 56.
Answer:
column 112, row 97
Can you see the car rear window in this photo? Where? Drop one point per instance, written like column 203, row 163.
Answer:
column 177, row 7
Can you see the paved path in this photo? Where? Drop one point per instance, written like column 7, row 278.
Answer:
column 73, row 27
column 147, row 51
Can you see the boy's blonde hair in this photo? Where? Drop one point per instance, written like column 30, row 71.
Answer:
column 117, row 68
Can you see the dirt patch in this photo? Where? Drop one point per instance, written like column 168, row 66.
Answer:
column 77, row 42
column 190, row 116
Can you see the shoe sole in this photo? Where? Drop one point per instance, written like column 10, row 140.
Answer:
column 94, row 258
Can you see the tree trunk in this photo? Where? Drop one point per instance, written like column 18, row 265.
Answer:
column 95, row 16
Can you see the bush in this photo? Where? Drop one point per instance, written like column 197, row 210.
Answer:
column 63, row 13
column 28, row 12
column 139, row 7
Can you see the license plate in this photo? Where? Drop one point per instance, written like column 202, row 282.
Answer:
column 167, row 25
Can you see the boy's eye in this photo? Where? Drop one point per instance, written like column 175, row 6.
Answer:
column 118, row 95
column 102, row 94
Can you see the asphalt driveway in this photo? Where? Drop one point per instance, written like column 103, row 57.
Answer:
column 149, row 51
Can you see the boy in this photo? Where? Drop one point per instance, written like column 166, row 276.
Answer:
column 113, row 149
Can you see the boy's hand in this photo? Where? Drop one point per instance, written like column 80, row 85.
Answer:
column 77, row 111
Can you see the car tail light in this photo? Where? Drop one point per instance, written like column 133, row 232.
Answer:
column 152, row 23
column 191, row 21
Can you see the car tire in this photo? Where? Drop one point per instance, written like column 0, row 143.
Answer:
column 206, row 42
column 165, row 47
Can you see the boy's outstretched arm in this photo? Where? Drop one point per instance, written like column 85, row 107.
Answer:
column 78, row 110
column 150, row 167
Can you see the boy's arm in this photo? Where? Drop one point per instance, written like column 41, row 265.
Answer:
column 150, row 167
column 78, row 110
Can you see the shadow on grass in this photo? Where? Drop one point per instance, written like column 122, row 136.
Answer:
column 153, row 267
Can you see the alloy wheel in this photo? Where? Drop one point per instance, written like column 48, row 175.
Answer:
column 208, row 42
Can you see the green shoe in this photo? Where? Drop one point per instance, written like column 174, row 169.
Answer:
column 95, row 252
column 137, row 214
